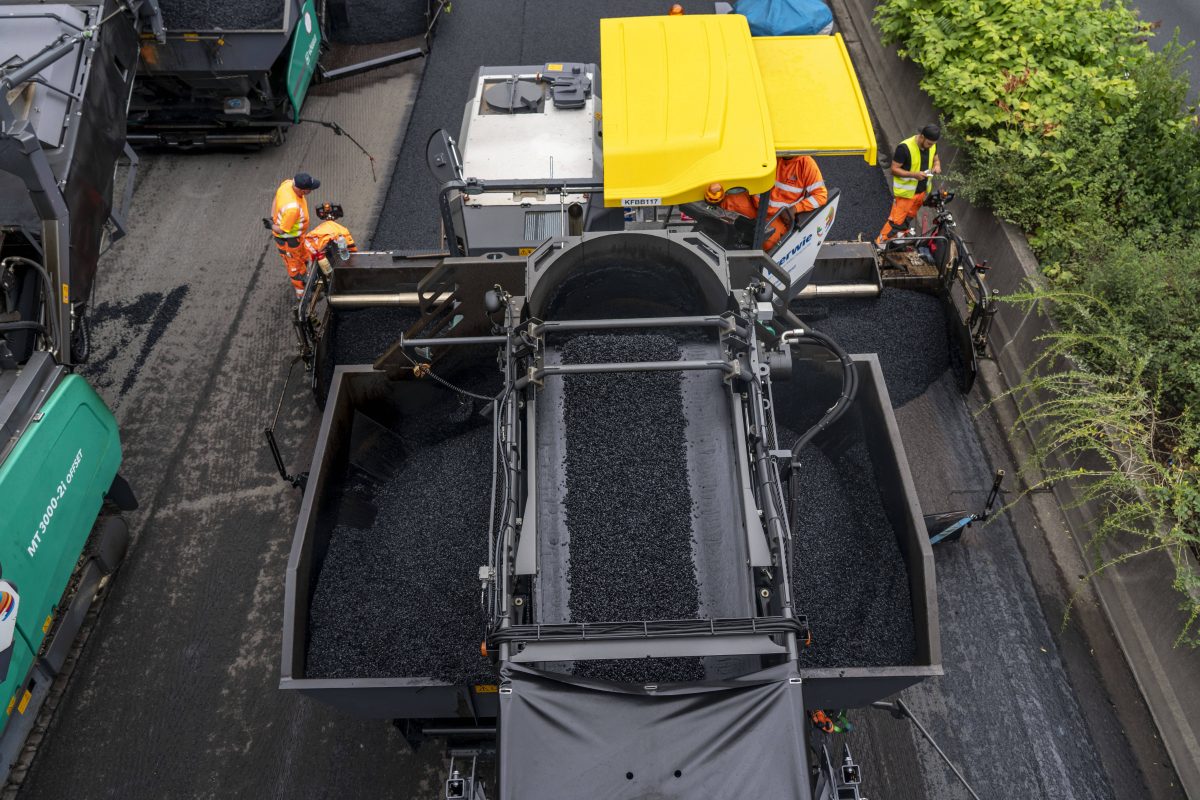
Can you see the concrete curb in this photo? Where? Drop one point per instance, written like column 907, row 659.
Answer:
column 1142, row 613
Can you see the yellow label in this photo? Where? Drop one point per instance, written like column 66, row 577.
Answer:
column 191, row 37
column 11, row 702
column 24, row 704
column 554, row 68
column 46, row 624
column 66, row 294
column 486, row 688
column 524, row 251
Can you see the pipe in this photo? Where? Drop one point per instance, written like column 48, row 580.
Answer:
column 839, row 290
column 39, row 62
column 459, row 731
column 849, row 388
column 625, row 366
column 438, row 342
column 637, row 322
column 382, row 299
column 371, row 64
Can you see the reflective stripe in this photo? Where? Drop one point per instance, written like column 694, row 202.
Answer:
column 787, row 187
column 778, row 204
column 297, row 229
column 812, row 187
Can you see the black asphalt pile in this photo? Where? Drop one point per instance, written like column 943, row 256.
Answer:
column 628, row 503
column 228, row 15
column 361, row 336
column 401, row 598
column 848, row 574
column 642, row 670
column 370, row 21
column 906, row 329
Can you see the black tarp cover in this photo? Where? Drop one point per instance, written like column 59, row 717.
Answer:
column 566, row 738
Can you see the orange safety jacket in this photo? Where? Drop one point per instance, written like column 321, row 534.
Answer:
column 799, row 184
column 290, row 211
column 316, row 240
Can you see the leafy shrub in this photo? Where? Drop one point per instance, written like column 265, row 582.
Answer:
column 1074, row 129
column 1098, row 423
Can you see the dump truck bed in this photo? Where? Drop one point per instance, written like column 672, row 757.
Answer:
column 223, row 15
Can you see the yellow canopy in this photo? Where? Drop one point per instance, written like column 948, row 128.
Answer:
column 817, row 106
column 683, row 107
column 692, row 100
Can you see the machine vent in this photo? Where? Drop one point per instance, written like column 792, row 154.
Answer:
column 541, row 225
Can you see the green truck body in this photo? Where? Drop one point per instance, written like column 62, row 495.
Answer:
column 52, row 485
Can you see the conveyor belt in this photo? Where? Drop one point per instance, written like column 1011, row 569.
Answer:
column 638, row 507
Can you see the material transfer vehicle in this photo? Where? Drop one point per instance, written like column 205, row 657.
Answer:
column 558, row 522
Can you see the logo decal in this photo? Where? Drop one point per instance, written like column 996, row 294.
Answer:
column 307, row 22
column 7, row 604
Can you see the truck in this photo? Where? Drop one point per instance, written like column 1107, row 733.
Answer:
column 571, row 522
column 61, row 532
column 81, row 81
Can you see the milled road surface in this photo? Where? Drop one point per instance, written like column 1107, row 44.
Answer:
column 175, row 695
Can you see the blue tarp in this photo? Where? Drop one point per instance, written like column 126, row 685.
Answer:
column 785, row 17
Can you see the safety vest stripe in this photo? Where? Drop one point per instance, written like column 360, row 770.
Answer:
column 812, row 187
column 778, row 204
column 296, row 229
column 787, row 187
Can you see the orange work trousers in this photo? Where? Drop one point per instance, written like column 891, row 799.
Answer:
column 295, row 259
column 904, row 211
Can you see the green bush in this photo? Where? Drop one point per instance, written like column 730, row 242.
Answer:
column 1008, row 72
column 1074, row 129
column 1088, row 401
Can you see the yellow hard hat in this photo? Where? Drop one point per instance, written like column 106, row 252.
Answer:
column 714, row 193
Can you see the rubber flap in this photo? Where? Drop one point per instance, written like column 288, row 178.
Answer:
column 563, row 738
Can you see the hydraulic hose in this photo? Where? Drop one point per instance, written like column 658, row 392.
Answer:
column 48, row 295
column 849, row 388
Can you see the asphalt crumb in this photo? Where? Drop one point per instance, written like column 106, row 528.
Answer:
column 628, row 504
column 400, row 597
column 907, row 330
column 848, row 574
column 138, row 324
column 229, row 15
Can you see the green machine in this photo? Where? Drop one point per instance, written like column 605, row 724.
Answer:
column 59, row 455
column 63, row 82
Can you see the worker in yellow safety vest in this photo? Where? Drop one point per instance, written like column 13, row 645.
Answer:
column 289, row 223
column 913, row 165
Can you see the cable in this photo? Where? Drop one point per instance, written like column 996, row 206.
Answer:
column 340, row 131
column 443, row 381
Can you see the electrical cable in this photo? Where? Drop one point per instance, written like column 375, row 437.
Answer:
column 340, row 131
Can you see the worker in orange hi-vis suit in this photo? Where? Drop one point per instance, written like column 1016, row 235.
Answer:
column 799, row 188
column 289, row 223
column 316, row 240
